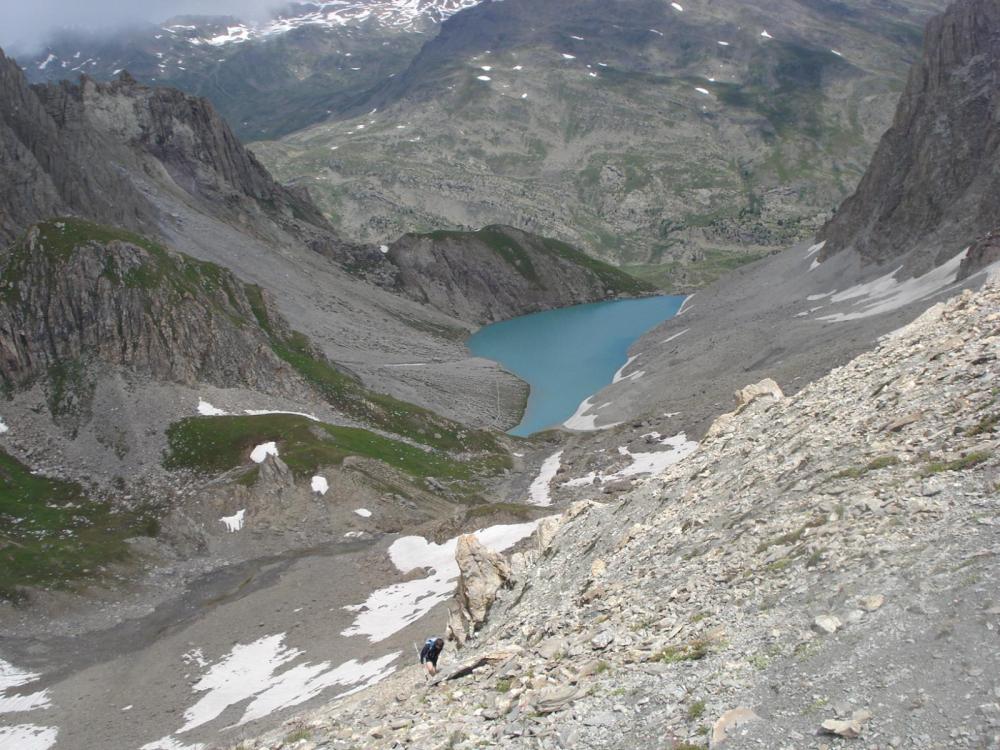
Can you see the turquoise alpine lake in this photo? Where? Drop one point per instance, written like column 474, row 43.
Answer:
column 569, row 354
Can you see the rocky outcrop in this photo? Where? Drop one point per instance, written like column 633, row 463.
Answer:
column 46, row 172
column 766, row 391
column 932, row 187
column 103, row 151
column 74, row 294
column 482, row 573
column 501, row 272
column 982, row 253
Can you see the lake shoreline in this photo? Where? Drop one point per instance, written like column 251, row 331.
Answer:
column 568, row 354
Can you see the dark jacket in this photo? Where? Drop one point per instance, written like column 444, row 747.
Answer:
column 430, row 652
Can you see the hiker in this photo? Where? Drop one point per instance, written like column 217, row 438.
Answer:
column 429, row 654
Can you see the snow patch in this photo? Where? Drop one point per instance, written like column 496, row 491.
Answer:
column 3, row 426
column 815, row 249
column 483, row 78
column 838, row 54
column 28, row 737
column 262, row 451
column 319, row 484
column 383, row 249
column 205, row 409
column 886, row 293
column 722, row 44
column 363, row 512
column 620, row 376
column 538, row 492
column 45, row 63
column 584, row 422
column 390, row 609
column 678, row 7
column 684, row 306
column 814, row 265
column 234, row 522
column 652, row 462
column 568, row 56
column 13, row 677
column 766, row 35
column 657, row 31
column 700, row 90
column 676, row 335
column 251, row 671
column 171, row 743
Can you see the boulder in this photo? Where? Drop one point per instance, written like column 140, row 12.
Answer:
column 827, row 624
column 482, row 573
column 766, row 390
column 850, row 728
column 729, row 722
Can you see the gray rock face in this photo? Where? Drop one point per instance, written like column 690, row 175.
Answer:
column 91, row 149
column 81, row 301
column 933, row 186
column 43, row 172
column 501, row 272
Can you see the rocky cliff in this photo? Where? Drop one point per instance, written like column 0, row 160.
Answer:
column 821, row 567
column 105, row 151
column 44, row 173
column 933, row 187
column 76, row 292
column 501, row 272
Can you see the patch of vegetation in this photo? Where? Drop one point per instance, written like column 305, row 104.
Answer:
column 854, row 472
column 966, row 462
column 218, row 444
column 788, row 93
column 68, row 387
column 676, row 276
column 696, row 710
column 52, row 534
column 790, row 537
column 503, row 686
column 297, row 736
column 159, row 268
column 986, row 425
column 692, row 651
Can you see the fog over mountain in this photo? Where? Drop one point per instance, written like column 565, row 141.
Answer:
column 27, row 25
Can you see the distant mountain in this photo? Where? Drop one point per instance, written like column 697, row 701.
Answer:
column 677, row 138
column 267, row 77
column 921, row 226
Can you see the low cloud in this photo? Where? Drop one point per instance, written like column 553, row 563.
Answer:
column 28, row 24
